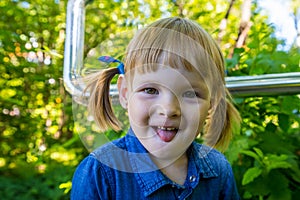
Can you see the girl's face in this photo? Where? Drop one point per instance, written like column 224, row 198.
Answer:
column 167, row 109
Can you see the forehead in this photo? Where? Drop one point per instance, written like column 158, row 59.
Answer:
column 166, row 76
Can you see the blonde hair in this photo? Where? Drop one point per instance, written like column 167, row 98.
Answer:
column 176, row 42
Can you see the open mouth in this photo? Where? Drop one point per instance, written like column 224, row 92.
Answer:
column 166, row 134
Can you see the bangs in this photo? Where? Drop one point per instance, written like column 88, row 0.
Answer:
column 155, row 45
column 176, row 44
column 148, row 60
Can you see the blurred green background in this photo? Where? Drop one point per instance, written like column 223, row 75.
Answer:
column 39, row 148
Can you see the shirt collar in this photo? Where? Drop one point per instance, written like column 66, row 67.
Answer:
column 150, row 178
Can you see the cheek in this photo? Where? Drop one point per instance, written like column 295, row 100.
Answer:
column 138, row 112
column 202, row 118
column 196, row 115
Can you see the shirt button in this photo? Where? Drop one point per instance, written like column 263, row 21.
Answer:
column 192, row 178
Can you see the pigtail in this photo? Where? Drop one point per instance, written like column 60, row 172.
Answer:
column 99, row 105
column 223, row 121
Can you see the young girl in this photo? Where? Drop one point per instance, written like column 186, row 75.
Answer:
column 173, row 89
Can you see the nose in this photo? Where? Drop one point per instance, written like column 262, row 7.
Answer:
column 169, row 106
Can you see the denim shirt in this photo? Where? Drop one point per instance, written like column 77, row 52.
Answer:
column 123, row 170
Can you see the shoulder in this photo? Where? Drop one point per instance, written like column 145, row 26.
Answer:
column 204, row 151
column 213, row 164
column 110, row 147
column 93, row 175
column 88, row 179
column 99, row 158
column 211, row 161
column 114, row 155
column 95, row 164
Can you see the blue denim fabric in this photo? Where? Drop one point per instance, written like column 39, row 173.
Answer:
column 123, row 170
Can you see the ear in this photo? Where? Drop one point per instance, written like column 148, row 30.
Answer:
column 122, row 88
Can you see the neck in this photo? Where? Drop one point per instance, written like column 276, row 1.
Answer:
column 176, row 171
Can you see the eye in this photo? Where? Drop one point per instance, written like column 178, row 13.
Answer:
column 150, row 90
column 191, row 94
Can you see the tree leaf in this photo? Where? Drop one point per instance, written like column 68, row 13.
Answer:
column 251, row 154
column 251, row 174
column 275, row 162
column 259, row 152
column 283, row 121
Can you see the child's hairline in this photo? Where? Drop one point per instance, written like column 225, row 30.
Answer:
column 195, row 38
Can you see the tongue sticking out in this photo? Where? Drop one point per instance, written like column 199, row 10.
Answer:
column 166, row 135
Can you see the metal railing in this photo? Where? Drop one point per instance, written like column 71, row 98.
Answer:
column 264, row 85
column 261, row 85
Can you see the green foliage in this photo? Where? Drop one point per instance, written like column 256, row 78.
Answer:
column 251, row 174
column 25, row 184
column 36, row 115
column 266, row 156
column 42, row 141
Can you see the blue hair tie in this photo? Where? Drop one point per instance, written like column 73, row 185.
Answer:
column 108, row 59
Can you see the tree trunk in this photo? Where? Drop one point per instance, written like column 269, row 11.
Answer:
column 223, row 23
column 245, row 24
